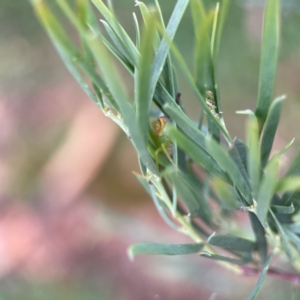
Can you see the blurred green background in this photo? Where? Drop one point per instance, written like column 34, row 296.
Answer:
column 69, row 205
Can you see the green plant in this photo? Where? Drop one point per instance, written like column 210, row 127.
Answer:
column 186, row 167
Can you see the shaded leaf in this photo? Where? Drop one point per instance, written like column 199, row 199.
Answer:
column 261, row 279
column 284, row 238
column 185, row 124
column 294, row 227
column 190, row 194
column 294, row 238
column 225, row 258
column 239, row 152
column 277, row 209
column 215, row 118
column 195, row 152
column 184, row 191
column 160, row 206
column 270, row 129
column 288, row 184
column 70, row 54
column 228, row 165
column 232, row 243
column 227, row 194
column 143, row 98
column 294, row 170
column 260, row 235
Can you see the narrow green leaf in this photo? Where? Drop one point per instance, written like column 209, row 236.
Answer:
column 145, row 14
column 268, row 63
column 163, row 249
column 294, row 238
column 296, row 293
column 283, row 150
column 196, row 153
column 225, row 258
column 160, row 206
column 288, row 184
column 214, row 29
column 233, row 243
column 261, row 279
column 260, row 235
column 89, row 16
column 198, row 15
column 227, row 194
column 129, row 47
column 204, row 68
column 142, row 98
column 68, row 52
column 294, row 170
column 294, row 227
column 163, row 49
column 106, row 66
column 184, row 191
column 229, row 166
column 83, row 29
column 278, row 209
column 254, row 154
column 284, row 239
column 116, row 40
column 220, row 26
column 203, row 61
column 190, row 195
column 270, row 129
column 266, row 191
column 137, row 31
column 216, row 118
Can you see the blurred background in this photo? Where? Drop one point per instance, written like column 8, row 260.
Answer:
column 69, row 204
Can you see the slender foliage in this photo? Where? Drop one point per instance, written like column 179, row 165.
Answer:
column 189, row 170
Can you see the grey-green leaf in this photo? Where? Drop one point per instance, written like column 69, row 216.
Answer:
column 143, row 98
column 293, row 171
column 268, row 63
column 266, row 191
column 270, row 129
column 260, row 235
column 163, row 249
column 185, row 124
column 184, row 191
column 261, row 279
column 228, row 165
column 163, row 49
column 225, row 258
column 278, row 209
column 254, row 154
column 195, row 152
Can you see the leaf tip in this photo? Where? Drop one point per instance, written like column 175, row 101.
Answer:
column 209, row 238
column 130, row 253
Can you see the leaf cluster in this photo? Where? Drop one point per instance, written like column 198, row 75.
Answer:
column 197, row 176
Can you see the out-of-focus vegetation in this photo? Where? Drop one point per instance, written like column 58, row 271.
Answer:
column 38, row 120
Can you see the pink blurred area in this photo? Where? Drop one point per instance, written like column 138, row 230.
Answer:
column 70, row 206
